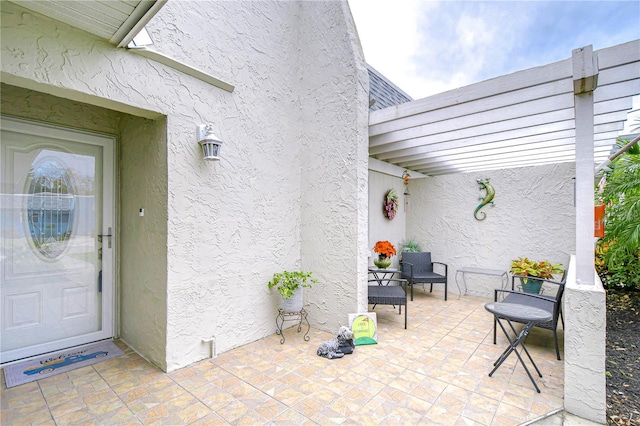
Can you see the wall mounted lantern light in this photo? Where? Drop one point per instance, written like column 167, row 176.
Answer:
column 210, row 143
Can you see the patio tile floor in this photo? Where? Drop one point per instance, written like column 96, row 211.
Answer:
column 435, row 372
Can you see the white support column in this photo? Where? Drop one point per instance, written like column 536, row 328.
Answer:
column 585, row 79
column 584, row 304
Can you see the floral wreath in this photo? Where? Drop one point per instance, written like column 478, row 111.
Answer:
column 390, row 204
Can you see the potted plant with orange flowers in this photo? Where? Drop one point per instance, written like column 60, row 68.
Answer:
column 385, row 250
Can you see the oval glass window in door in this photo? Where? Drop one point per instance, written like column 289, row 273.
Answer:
column 50, row 208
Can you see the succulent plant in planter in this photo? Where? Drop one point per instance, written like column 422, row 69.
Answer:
column 531, row 271
column 289, row 284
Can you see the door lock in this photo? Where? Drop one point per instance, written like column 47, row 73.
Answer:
column 106, row 235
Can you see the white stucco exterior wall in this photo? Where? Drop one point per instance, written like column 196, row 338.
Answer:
column 334, row 102
column 293, row 145
column 585, row 348
column 38, row 106
column 230, row 222
column 533, row 216
column 289, row 192
column 381, row 228
column 143, row 240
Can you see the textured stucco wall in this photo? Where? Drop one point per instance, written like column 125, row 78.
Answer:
column 230, row 224
column 334, row 135
column 37, row 106
column 585, row 340
column 381, row 228
column 293, row 137
column 143, row 239
column 533, row 216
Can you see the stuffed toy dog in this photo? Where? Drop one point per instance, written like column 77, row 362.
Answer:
column 338, row 346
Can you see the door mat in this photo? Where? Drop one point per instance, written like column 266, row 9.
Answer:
column 59, row 362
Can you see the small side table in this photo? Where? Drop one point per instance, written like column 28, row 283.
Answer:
column 382, row 275
column 288, row 316
column 504, row 278
column 521, row 313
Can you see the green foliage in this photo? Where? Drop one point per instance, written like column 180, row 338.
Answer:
column 410, row 246
column 619, row 251
column 619, row 273
column 287, row 282
column 531, row 268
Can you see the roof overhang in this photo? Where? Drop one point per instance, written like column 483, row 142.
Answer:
column 117, row 21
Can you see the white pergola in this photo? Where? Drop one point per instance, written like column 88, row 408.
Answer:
column 521, row 119
column 568, row 111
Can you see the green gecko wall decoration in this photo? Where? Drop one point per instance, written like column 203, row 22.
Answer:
column 488, row 198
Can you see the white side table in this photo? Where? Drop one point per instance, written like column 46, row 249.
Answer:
column 479, row 271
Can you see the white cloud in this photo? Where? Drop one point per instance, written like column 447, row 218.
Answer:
column 428, row 47
column 389, row 36
column 385, row 32
column 473, row 32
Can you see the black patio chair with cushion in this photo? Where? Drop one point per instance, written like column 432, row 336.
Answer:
column 417, row 268
column 388, row 291
column 550, row 299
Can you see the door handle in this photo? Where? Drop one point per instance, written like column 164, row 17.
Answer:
column 106, row 235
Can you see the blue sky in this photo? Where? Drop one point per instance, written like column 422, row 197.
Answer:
column 428, row 47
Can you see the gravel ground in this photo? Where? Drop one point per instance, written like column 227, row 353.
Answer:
column 623, row 357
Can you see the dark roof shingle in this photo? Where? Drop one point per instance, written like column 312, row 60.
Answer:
column 384, row 92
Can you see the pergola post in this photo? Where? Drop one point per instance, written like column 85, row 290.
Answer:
column 585, row 80
column 584, row 300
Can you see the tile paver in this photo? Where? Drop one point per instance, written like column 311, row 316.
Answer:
column 435, row 372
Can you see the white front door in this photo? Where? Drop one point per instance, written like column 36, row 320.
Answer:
column 56, row 258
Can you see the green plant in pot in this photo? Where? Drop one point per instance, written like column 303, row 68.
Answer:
column 531, row 272
column 409, row 246
column 289, row 285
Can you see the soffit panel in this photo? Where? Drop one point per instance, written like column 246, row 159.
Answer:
column 113, row 20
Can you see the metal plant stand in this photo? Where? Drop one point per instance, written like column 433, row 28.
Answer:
column 479, row 271
column 288, row 316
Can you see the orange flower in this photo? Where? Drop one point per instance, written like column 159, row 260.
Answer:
column 385, row 248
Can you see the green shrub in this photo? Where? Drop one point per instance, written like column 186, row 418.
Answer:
column 622, row 273
column 618, row 253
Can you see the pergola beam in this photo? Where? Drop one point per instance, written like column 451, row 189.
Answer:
column 517, row 113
